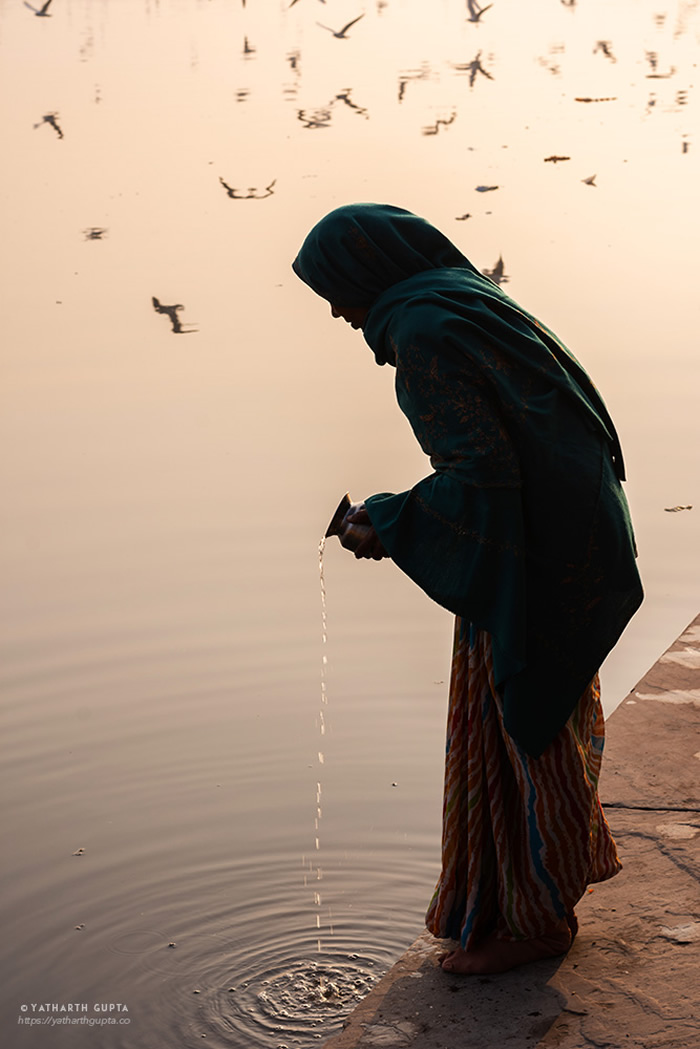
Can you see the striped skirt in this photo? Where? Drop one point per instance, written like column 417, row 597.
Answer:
column 522, row 837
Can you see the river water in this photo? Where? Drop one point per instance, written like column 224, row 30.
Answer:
column 208, row 830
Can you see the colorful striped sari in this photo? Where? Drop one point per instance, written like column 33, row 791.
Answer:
column 522, row 836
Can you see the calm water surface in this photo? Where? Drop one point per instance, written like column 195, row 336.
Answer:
column 173, row 772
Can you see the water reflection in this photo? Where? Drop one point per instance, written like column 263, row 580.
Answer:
column 315, row 118
column 172, row 312
column 161, row 639
column 52, row 120
column 653, row 60
column 433, row 129
column 497, row 274
column 344, row 96
column 321, row 117
column 473, row 68
column 405, row 78
column 605, row 48
column 252, row 193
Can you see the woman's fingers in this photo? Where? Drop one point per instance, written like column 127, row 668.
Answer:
column 359, row 516
column 371, row 547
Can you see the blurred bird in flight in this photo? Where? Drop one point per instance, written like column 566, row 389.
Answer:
column 42, row 12
column 475, row 12
column 341, row 34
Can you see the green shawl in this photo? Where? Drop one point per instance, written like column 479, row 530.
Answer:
column 523, row 527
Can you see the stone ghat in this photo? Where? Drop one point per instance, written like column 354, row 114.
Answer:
column 630, row 981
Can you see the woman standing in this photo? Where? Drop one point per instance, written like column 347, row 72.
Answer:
column 523, row 532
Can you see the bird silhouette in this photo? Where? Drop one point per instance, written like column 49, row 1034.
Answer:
column 475, row 12
column 41, row 12
column 590, row 181
column 341, row 33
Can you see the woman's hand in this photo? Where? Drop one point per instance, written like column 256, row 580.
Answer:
column 371, row 546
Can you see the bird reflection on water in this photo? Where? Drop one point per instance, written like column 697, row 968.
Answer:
column 252, row 193
column 344, row 96
column 473, row 68
column 317, row 118
column 412, row 74
column 52, row 119
column 321, row 117
column 172, row 313
column 497, row 274
column 605, row 48
column 433, row 129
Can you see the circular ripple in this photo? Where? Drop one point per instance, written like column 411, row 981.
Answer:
column 141, row 941
column 292, row 1004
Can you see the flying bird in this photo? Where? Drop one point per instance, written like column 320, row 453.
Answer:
column 341, row 34
column 42, row 12
column 590, row 181
column 475, row 12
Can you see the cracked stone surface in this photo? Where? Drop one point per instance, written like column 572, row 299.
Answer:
column 630, row 980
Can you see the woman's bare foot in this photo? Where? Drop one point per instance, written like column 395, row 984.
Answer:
column 498, row 956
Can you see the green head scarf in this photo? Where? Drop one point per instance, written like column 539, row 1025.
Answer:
column 358, row 251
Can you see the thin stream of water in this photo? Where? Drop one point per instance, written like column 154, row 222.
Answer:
column 322, row 729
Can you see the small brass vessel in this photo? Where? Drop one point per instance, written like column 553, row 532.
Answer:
column 350, row 535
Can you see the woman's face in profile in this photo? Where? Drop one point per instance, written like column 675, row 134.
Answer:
column 354, row 315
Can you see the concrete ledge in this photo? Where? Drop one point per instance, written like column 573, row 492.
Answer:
column 631, row 978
